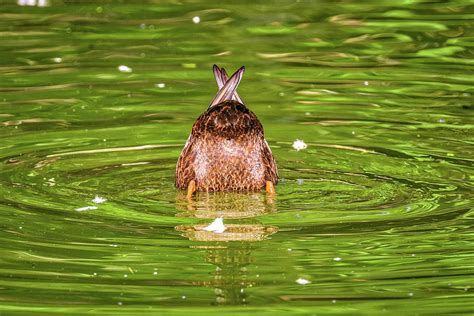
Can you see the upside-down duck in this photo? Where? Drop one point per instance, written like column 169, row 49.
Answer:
column 226, row 150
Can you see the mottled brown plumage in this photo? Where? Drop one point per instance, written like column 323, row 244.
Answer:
column 226, row 150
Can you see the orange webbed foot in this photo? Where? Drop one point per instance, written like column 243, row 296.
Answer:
column 191, row 189
column 270, row 188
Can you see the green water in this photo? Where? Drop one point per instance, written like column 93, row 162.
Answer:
column 376, row 215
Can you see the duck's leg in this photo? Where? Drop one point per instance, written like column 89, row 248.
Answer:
column 191, row 189
column 270, row 188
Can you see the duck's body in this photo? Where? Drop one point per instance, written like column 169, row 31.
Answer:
column 226, row 150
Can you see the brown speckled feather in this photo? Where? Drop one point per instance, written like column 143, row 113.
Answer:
column 226, row 150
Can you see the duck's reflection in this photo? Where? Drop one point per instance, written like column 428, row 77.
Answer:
column 226, row 205
column 230, row 249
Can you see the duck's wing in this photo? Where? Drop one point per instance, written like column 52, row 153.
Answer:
column 228, row 90
column 271, row 171
column 218, row 76
column 221, row 78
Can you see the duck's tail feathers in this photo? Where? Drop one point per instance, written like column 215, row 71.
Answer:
column 227, row 87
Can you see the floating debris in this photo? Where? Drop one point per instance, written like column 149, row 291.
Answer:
column 160, row 85
column 57, row 59
column 337, row 259
column 196, row 20
column 246, row 232
column 86, row 208
column 39, row 3
column 99, row 199
column 299, row 144
column 302, row 281
column 217, row 226
column 124, row 68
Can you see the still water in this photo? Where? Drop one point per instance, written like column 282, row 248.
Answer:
column 375, row 216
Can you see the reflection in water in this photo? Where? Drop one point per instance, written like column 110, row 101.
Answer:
column 225, row 205
column 229, row 250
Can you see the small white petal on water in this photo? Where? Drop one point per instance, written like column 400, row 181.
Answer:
column 299, row 144
column 57, row 59
column 337, row 259
column 302, row 281
column 160, row 85
column 26, row 2
column 217, row 226
column 196, row 20
column 86, row 208
column 124, row 68
column 99, row 199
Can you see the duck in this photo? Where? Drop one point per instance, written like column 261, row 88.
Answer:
column 226, row 150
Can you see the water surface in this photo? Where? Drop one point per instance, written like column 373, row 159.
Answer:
column 375, row 216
